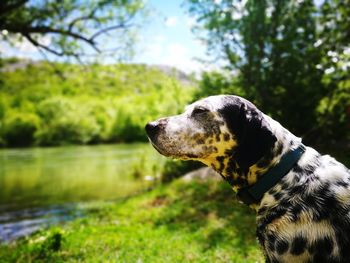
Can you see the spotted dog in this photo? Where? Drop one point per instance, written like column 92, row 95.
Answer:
column 303, row 210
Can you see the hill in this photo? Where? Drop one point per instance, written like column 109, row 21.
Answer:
column 61, row 103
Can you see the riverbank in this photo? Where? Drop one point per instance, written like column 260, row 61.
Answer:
column 179, row 222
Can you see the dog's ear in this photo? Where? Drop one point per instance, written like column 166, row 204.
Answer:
column 251, row 130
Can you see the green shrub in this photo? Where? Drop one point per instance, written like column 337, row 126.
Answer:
column 103, row 112
column 71, row 129
column 54, row 107
column 126, row 128
column 66, row 122
column 216, row 83
column 20, row 129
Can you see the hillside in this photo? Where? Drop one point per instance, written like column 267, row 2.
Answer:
column 44, row 104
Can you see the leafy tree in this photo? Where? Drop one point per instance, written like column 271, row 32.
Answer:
column 216, row 82
column 20, row 129
column 274, row 46
column 69, row 27
column 334, row 39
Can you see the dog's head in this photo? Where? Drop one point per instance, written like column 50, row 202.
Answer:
column 215, row 128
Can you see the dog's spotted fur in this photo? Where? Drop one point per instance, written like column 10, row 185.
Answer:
column 303, row 218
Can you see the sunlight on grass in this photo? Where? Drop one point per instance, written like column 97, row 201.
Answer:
column 179, row 222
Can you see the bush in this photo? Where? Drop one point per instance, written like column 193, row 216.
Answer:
column 71, row 129
column 66, row 122
column 126, row 129
column 216, row 83
column 54, row 108
column 20, row 129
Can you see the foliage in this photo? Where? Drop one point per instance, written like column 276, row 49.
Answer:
column 70, row 28
column 179, row 222
column 95, row 104
column 284, row 54
column 19, row 129
column 334, row 109
column 66, row 123
column 213, row 83
column 334, row 113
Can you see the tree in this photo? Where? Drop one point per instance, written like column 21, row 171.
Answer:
column 334, row 39
column 275, row 47
column 73, row 27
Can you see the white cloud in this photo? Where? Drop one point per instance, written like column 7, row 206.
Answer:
column 19, row 46
column 154, row 48
column 160, row 52
column 171, row 21
column 177, row 55
column 191, row 21
column 25, row 46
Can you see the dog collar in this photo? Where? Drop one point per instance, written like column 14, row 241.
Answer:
column 253, row 194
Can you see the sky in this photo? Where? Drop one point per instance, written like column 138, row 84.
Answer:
column 166, row 39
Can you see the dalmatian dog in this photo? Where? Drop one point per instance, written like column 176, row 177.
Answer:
column 301, row 198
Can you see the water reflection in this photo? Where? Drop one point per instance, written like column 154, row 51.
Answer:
column 39, row 185
column 18, row 223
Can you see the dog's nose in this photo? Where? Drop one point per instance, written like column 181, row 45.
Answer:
column 152, row 129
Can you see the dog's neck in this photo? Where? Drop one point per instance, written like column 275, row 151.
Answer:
column 240, row 177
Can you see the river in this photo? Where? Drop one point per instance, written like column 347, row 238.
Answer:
column 43, row 186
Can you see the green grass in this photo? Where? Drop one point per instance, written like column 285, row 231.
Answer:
column 179, row 222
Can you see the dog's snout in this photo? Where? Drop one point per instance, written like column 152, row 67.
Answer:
column 152, row 128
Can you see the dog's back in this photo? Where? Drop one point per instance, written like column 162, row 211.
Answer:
column 306, row 217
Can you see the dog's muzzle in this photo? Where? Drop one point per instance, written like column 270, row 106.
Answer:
column 152, row 129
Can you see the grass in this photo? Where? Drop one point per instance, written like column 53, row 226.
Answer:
column 178, row 222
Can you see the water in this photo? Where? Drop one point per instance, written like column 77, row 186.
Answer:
column 42, row 186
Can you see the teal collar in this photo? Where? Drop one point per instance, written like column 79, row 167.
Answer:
column 253, row 194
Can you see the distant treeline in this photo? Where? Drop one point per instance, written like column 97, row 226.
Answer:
column 45, row 104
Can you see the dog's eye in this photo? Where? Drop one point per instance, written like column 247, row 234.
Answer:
column 199, row 110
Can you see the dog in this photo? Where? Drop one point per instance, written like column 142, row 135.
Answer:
column 302, row 198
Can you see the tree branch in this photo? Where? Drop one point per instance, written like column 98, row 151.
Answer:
column 26, row 31
column 45, row 29
column 105, row 30
column 37, row 44
column 90, row 16
column 4, row 8
column 68, row 31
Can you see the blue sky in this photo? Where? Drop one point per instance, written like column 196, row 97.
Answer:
column 166, row 39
